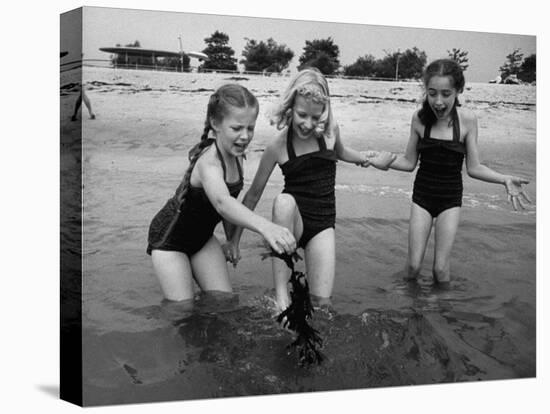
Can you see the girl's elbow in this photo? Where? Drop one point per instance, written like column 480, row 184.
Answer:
column 221, row 205
column 410, row 166
column 474, row 174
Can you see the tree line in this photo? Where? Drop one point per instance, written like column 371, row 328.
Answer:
column 271, row 57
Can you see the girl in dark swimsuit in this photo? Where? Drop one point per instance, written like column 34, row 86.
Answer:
column 181, row 241
column 306, row 151
column 442, row 135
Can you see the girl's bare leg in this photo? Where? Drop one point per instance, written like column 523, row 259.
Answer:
column 285, row 213
column 420, row 226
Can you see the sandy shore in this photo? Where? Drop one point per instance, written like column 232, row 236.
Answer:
column 147, row 121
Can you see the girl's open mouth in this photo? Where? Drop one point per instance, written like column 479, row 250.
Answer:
column 241, row 147
column 439, row 112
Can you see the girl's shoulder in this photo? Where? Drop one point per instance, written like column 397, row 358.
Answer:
column 334, row 130
column 416, row 123
column 467, row 117
column 415, row 118
column 205, row 164
column 209, row 158
column 279, row 143
column 275, row 149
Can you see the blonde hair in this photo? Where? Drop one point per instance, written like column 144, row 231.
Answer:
column 310, row 84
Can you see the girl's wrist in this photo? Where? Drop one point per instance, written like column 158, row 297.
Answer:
column 263, row 226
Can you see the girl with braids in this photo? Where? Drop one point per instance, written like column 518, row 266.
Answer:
column 181, row 241
column 306, row 151
column 442, row 134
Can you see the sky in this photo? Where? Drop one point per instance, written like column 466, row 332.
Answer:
column 104, row 27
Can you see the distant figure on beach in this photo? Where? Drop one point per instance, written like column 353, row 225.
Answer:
column 306, row 150
column 82, row 97
column 181, row 238
column 442, row 134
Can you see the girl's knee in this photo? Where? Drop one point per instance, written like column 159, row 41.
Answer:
column 284, row 207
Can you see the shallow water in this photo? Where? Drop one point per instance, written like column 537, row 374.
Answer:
column 379, row 331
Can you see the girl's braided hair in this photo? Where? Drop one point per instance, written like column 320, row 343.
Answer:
column 229, row 95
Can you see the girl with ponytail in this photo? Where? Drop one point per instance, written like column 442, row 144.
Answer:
column 181, row 238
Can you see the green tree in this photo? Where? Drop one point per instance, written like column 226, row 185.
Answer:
column 220, row 55
column 322, row 54
column 460, row 57
column 528, row 69
column 411, row 63
column 402, row 65
column 266, row 56
column 512, row 65
column 363, row 66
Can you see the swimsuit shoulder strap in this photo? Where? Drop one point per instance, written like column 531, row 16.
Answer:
column 289, row 146
column 322, row 143
column 221, row 160
column 427, row 130
column 239, row 168
column 456, row 125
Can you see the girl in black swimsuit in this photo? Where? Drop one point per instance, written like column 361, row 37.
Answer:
column 181, row 241
column 306, row 151
column 442, row 135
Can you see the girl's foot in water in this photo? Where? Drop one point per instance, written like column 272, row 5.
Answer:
column 444, row 285
column 410, row 279
column 282, row 301
column 281, row 304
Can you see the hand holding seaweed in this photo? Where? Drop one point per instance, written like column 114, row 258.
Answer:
column 295, row 316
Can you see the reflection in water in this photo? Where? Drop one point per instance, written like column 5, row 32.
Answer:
column 381, row 331
column 219, row 348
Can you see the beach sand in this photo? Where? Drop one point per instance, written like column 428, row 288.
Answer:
column 135, row 154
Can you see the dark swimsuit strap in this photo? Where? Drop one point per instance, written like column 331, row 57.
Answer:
column 322, row 143
column 239, row 168
column 290, row 147
column 456, row 126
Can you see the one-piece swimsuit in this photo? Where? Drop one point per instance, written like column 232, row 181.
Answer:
column 196, row 220
column 310, row 179
column 438, row 183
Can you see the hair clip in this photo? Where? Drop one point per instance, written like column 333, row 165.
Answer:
column 312, row 92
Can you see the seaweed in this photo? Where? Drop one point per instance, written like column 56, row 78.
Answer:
column 295, row 316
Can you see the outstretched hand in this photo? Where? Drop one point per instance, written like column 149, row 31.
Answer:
column 516, row 193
